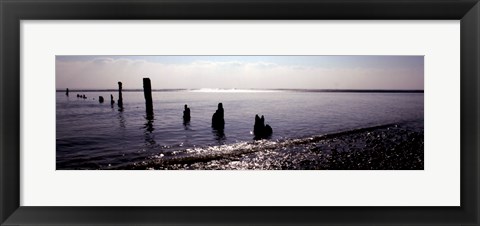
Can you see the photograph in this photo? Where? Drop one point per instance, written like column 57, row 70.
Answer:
column 239, row 112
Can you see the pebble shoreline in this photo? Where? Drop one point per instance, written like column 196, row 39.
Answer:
column 388, row 147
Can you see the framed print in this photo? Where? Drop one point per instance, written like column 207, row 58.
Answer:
column 239, row 112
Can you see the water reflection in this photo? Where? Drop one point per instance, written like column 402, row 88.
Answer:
column 148, row 133
column 121, row 119
column 186, row 125
column 219, row 135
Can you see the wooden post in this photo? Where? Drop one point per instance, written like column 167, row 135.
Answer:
column 147, row 92
column 120, row 98
column 111, row 100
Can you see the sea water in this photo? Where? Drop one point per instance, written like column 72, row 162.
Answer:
column 93, row 135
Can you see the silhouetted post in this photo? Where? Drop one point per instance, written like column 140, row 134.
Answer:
column 258, row 127
column 111, row 100
column 66, row 92
column 147, row 92
column 260, row 130
column 186, row 114
column 120, row 98
column 218, row 122
column 100, row 99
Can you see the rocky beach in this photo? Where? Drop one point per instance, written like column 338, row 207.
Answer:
column 385, row 147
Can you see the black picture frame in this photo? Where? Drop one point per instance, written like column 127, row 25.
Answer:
column 13, row 11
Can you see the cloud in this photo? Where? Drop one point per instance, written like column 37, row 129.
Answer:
column 104, row 73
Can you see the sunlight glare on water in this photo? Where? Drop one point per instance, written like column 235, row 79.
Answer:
column 91, row 135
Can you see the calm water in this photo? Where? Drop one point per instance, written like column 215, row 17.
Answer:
column 91, row 135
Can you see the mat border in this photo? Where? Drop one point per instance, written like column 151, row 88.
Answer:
column 13, row 11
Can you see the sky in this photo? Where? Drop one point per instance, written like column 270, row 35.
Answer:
column 241, row 72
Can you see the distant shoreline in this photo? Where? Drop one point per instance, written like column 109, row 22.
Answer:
column 281, row 90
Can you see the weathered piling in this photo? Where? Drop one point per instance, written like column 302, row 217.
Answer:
column 147, row 92
column 66, row 93
column 120, row 98
column 100, row 99
column 260, row 130
column 218, row 121
column 186, row 114
column 111, row 100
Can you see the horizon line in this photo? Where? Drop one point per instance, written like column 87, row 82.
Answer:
column 256, row 89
